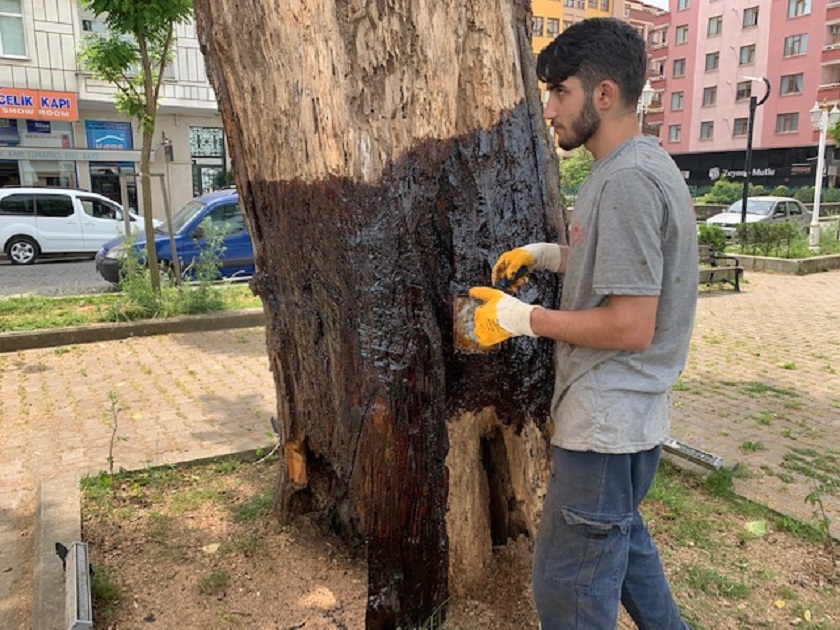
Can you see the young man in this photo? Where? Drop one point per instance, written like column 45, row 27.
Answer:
column 622, row 331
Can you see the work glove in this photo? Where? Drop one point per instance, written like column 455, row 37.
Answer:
column 500, row 316
column 533, row 257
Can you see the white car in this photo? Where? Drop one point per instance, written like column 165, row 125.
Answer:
column 763, row 209
column 36, row 221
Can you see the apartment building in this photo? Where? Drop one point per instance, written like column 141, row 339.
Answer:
column 711, row 56
column 551, row 17
column 59, row 125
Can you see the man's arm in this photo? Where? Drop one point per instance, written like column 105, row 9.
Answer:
column 623, row 322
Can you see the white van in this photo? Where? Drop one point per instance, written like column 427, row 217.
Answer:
column 36, row 221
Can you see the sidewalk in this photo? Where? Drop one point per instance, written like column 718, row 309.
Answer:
column 763, row 382
column 183, row 397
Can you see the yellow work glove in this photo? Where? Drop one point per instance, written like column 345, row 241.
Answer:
column 500, row 317
column 534, row 256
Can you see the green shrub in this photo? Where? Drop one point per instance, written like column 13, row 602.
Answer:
column 767, row 239
column 712, row 235
column 805, row 194
column 723, row 191
column 781, row 191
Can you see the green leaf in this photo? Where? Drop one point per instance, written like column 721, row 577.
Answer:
column 756, row 529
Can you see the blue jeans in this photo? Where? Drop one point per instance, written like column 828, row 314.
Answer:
column 593, row 548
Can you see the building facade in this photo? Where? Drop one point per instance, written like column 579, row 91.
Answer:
column 711, row 56
column 59, row 125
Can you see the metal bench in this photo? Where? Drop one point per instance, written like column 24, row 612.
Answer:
column 719, row 268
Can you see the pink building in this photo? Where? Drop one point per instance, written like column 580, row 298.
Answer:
column 709, row 57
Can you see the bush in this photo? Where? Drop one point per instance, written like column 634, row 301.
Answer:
column 805, row 194
column 712, row 235
column 767, row 239
column 781, row 191
column 723, row 192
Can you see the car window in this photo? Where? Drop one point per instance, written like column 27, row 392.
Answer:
column 228, row 217
column 55, row 206
column 99, row 209
column 794, row 208
column 21, row 205
column 185, row 215
column 780, row 210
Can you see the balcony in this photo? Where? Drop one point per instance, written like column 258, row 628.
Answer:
column 832, row 11
column 831, row 52
column 828, row 92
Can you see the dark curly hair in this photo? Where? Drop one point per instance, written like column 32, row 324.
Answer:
column 594, row 50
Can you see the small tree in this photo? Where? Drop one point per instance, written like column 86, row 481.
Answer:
column 723, row 191
column 132, row 56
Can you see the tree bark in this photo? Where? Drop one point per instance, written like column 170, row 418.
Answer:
column 386, row 152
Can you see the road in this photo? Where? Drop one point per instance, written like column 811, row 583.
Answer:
column 51, row 277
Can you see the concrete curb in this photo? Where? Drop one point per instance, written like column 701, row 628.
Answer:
column 29, row 340
column 59, row 519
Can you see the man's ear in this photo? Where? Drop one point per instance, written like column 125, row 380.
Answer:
column 607, row 95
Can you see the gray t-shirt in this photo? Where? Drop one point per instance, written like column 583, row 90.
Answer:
column 633, row 232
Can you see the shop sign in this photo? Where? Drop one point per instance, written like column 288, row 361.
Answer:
column 7, row 153
column 38, row 105
column 716, row 173
column 106, row 134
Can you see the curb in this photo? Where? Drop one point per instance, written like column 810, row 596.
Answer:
column 30, row 340
column 59, row 519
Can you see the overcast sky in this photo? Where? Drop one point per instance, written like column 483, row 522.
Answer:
column 662, row 4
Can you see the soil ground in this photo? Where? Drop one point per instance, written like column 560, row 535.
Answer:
column 199, row 547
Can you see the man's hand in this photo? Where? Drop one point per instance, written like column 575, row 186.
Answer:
column 534, row 256
column 500, row 317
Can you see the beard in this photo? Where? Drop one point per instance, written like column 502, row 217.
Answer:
column 583, row 127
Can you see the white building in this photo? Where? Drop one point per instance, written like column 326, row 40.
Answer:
column 59, row 126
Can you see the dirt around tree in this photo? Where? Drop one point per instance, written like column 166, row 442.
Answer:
column 199, row 547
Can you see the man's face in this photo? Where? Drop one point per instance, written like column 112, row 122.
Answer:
column 572, row 113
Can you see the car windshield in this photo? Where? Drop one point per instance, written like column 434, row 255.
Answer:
column 183, row 216
column 760, row 207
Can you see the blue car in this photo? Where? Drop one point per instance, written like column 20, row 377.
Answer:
column 222, row 209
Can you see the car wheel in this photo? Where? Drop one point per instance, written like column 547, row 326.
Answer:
column 22, row 250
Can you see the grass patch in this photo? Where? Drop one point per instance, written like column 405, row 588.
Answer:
column 40, row 313
column 106, row 594
column 711, row 582
column 214, row 583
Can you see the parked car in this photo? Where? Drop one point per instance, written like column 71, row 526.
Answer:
column 221, row 208
column 40, row 221
column 763, row 209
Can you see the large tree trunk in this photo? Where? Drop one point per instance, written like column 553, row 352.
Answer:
column 386, row 152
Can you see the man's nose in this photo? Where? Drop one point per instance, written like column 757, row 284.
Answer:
column 550, row 106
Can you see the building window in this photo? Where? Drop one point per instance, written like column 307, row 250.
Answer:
column 605, row 5
column 682, row 5
column 676, row 100
column 207, row 153
column 679, row 67
column 833, row 34
column 593, row 4
column 787, row 123
column 740, row 127
column 747, row 55
column 712, row 61
column 797, row 45
column 681, row 34
column 552, row 27
column 707, row 130
column 567, row 24
column 791, row 84
column 569, row 3
column 743, row 90
column 798, row 7
column 750, row 17
column 12, row 38
column 537, row 26
column 709, row 96
column 715, row 25
column 674, row 133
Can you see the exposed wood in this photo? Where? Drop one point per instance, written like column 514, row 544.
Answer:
column 386, row 153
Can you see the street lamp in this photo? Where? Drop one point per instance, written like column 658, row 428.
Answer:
column 821, row 120
column 645, row 99
column 748, row 165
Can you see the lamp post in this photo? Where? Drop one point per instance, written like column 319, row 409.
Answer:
column 754, row 103
column 821, row 120
column 645, row 99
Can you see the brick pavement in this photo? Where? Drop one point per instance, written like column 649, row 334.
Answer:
column 182, row 397
column 763, row 380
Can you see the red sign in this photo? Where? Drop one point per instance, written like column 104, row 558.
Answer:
column 38, row 105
